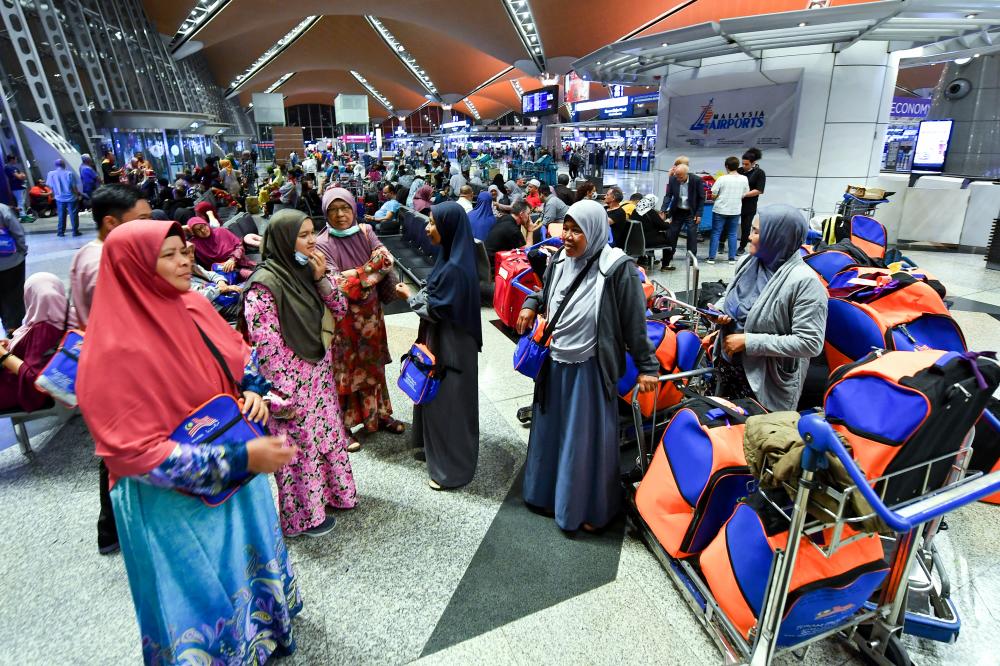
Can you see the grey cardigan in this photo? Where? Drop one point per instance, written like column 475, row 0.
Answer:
column 785, row 328
column 621, row 322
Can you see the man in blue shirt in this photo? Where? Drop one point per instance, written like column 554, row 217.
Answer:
column 16, row 179
column 65, row 186
column 385, row 214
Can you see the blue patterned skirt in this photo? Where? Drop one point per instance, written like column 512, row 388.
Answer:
column 210, row 585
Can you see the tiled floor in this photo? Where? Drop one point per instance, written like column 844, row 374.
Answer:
column 378, row 587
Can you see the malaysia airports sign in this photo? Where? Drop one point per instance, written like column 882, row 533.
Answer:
column 763, row 116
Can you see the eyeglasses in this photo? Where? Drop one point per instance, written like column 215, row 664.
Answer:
column 340, row 210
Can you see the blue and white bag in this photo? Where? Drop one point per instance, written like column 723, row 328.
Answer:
column 58, row 379
column 419, row 375
column 218, row 420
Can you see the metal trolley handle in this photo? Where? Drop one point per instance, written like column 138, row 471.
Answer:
column 820, row 438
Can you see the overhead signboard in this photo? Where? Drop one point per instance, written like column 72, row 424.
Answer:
column 541, row 102
column 762, row 116
column 351, row 109
column 910, row 107
column 577, row 89
column 269, row 108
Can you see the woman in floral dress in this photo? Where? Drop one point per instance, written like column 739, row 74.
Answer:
column 365, row 276
column 289, row 308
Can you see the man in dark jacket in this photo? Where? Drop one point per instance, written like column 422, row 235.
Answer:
column 682, row 207
column 563, row 192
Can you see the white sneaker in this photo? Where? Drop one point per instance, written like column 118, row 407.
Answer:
column 711, row 262
column 732, row 262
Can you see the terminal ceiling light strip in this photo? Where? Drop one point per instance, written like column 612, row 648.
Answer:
column 281, row 80
column 373, row 91
column 405, row 56
column 199, row 16
column 522, row 18
column 472, row 108
column 271, row 54
column 517, row 87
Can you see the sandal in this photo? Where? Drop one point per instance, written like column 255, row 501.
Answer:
column 354, row 446
column 393, row 426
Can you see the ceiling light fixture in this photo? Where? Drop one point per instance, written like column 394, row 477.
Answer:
column 373, row 91
column 404, row 56
column 520, row 15
column 277, row 84
column 446, row 107
column 199, row 16
column 270, row 54
column 472, row 108
column 517, row 87
column 803, row 24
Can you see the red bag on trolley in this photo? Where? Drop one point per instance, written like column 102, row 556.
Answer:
column 698, row 474
column 513, row 281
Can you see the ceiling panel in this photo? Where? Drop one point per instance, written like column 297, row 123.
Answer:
column 441, row 55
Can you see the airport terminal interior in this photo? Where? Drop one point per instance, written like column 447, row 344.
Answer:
column 364, row 206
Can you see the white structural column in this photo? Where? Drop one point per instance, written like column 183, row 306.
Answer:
column 839, row 124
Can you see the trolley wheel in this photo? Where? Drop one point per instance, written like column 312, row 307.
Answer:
column 524, row 415
column 895, row 651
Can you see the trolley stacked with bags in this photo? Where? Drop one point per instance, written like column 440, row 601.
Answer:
column 782, row 529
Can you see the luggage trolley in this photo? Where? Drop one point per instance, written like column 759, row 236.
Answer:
column 875, row 628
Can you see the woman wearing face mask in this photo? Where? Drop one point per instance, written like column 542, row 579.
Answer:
column 156, row 351
column 774, row 317
column 289, row 308
column 572, row 464
column 451, row 326
column 365, row 276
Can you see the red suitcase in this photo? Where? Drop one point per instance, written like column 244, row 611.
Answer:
column 513, row 281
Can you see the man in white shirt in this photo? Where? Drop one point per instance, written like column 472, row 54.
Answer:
column 465, row 198
column 728, row 193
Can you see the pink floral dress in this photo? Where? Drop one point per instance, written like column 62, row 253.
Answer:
column 308, row 413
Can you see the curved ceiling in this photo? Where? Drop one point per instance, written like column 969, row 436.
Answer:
column 459, row 44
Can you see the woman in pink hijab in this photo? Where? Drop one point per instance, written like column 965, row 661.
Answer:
column 215, row 245
column 29, row 350
column 367, row 280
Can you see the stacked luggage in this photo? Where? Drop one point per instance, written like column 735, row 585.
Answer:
column 775, row 561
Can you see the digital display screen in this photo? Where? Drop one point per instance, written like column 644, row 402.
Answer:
column 540, row 102
column 932, row 145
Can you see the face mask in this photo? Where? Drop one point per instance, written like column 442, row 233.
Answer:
column 344, row 233
column 301, row 259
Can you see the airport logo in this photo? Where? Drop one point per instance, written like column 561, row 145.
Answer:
column 709, row 120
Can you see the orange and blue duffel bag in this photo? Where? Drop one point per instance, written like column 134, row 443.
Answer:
column 824, row 591
column 898, row 315
column 898, row 410
column 828, row 260
column 858, row 277
column 698, row 474
column 676, row 351
column 869, row 235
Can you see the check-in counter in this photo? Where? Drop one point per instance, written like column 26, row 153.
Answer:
column 946, row 210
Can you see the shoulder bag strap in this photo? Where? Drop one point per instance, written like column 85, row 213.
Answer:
column 218, row 357
column 550, row 326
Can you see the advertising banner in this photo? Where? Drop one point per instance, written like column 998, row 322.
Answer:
column 577, row 89
column 763, row 116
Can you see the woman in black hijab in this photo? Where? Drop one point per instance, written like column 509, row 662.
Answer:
column 451, row 326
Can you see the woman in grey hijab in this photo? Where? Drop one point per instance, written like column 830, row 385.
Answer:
column 571, row 469
column 774, row 314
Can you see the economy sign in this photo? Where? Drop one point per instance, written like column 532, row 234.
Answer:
column 910, row 107
column 762, row 116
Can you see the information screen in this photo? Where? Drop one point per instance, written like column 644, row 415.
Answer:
column 932, row 145
column 540, row 102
